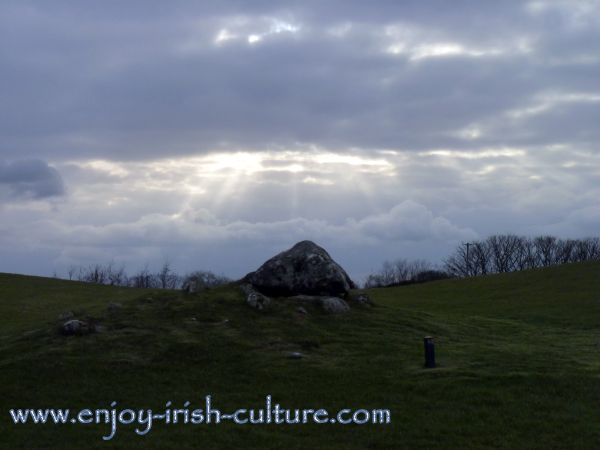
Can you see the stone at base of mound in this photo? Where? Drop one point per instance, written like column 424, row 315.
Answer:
column 331, row 305
column 360, row 299
column 260, row 302
column 255, row 299
column 334, row 305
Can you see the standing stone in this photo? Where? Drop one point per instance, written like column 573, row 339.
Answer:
column 305, row 269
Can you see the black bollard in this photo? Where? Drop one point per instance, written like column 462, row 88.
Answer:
column 429, row 352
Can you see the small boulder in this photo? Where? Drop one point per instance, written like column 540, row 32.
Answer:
column 360, row 299
column 255, row 299
column 301, row 310
column 75, row 327
column 334, row 305
column 331, row 305
column 295, row 355
column 363, row 299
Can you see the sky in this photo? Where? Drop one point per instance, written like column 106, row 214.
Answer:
column 215, row 134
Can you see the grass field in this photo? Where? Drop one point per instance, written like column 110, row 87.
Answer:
column 519, row 359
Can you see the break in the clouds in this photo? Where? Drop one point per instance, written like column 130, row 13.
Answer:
column 215, row 133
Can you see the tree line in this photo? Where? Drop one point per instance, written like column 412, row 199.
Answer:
column 402, row 271
column 511, row 253
column 497, row 254
column 165, row 278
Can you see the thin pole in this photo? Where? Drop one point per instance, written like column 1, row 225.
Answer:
column 468, row 260
column 468, row 244
column 429, row 352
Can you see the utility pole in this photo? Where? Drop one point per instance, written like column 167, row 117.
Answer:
column 468, row 244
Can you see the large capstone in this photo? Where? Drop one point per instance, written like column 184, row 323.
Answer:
column 304, row 269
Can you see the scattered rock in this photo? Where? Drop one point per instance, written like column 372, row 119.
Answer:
column 301, row 310
column 334, row 305
column 295, row 355
column 255, row 299
column 360, row 299
column 363, row 299
column 75, row 327
column 331, row 305
column 258, row 301
column 305, row 269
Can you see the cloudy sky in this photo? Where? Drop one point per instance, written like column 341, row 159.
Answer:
column 217, row 133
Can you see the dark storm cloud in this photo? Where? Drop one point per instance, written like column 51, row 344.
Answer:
column 30, row 179
column 135, row 80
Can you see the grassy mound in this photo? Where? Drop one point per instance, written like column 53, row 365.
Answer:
column 519, row 359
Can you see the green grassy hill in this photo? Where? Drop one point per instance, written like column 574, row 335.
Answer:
column 519, row 362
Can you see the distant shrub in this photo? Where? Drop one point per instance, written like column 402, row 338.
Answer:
column 202, row 280
column 431, row 275
column 401, row 272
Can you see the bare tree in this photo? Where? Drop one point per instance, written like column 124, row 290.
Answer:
column 545, row 248
column 503, row 251
column 458, row 264
column 587, row 249
column 167, row 279
column 95, row 273
column 480, row 259
column 389, row 271
column 143, row 279
column 402, row 271
column 507, row 253
column 116, row 276
column 565, row 251
column 525, row 257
